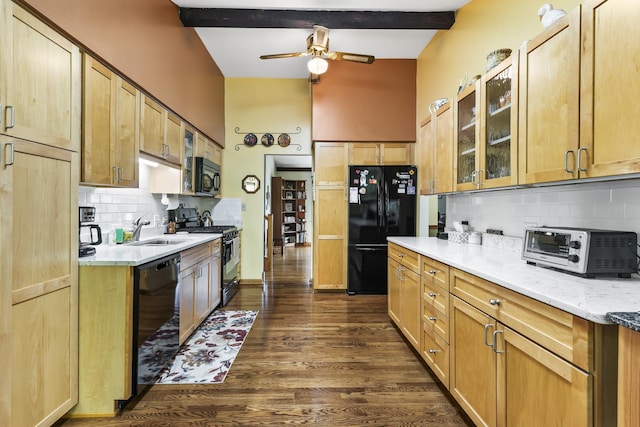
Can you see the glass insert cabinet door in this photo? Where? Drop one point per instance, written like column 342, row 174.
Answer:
column 498, row 119
column 467, row 138
column 187, row 165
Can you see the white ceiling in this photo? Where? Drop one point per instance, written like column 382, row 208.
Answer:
column 236, row 51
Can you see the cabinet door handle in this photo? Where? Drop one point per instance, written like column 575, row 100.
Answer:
column 580, row 151
column 494, row 301
column 432, row 351
column 121, row 175
column 432, row 294
column 115, row 174
column 566, row 161
column 433, row 318
column 12, row 123
column 432, row 272
column 400, row 255
column 12, row 154
column 495, row 342
column 486, row 335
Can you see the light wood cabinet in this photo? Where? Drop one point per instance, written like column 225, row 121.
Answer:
column 330, row 228
column 435, row 317
column 39, row 166
column 467, row 139
column 106, row 354
column 609, row 91
column 110, row 142
column 39, row 266
column 548, row 357
column 404, row 293
column 330, row 163
column 208, row 149
column 160, row 134
column 46, row 112
column 196, row 274
column 628, row 377
column 378, row 154
column 173, row 138
column 330, row 238
column 427, row 147
column 549, row 103
column 436, row 148
column 499, row 125
column 215, row 287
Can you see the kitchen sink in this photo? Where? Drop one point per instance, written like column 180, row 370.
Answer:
column 156, row 242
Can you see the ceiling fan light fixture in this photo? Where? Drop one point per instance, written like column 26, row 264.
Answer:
column 317, row 65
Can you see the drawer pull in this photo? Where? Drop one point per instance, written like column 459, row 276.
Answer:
column 486, row 335
column 400, row 255
column 432, row 294
column 495, row 342
column 432, row 272
column 432, row 318
column 494, row 301
column 433, row 351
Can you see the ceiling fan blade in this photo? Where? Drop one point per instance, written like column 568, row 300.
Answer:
column 353, row 57
column 284, row 55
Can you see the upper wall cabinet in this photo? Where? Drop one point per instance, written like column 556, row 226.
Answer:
column 374, row 154
column 37, row 90
column 208, row 149
column 549, row 100
column 436, row 148
column 609, row 107
column 110, row 127
column 467, row 138
column 158, row 134
column 499, row 125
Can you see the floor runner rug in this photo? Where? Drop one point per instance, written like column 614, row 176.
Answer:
column 207, row 356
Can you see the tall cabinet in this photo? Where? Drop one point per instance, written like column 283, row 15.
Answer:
column 330, row 228
column 39, row 143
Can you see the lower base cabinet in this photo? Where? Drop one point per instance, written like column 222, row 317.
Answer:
column 507, row 359
column 404, row 295
column 628, row 377
column 199, row 285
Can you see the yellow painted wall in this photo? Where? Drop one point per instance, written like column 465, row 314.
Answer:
column 481, row 27
column 259, row 106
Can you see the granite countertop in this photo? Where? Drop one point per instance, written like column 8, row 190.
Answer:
column 630, row 320
column 589, row 299
column 127, row 254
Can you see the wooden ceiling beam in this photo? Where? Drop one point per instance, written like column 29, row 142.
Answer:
column 272, row 18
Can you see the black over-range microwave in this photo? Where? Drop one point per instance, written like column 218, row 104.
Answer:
column 207, row 177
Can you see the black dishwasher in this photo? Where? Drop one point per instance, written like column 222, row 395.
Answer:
column 156, row 318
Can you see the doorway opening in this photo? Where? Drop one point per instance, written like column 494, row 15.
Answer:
column 288, row 206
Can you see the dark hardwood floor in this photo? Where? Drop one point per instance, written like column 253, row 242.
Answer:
column 325, row 359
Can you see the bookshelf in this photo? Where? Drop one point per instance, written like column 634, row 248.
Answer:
column 289, row 207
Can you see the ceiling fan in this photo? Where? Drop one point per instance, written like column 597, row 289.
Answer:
column 318, row 49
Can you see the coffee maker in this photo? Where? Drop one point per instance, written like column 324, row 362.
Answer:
column 89, row 234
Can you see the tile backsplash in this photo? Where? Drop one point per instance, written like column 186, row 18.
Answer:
column 117, row 207
column 602, row 205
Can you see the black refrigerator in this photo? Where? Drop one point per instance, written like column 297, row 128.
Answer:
column 382, row 202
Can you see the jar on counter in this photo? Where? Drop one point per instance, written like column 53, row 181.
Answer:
column 475, row 238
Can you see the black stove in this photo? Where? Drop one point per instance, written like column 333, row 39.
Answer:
column 218, row 229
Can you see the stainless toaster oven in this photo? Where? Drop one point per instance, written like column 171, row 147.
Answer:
column 582, row 251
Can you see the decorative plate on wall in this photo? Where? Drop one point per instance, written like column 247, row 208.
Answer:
column 250, row 139
column 267, row 139
column 284, row 140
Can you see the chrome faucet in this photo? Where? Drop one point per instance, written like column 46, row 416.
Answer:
column 138, row 223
